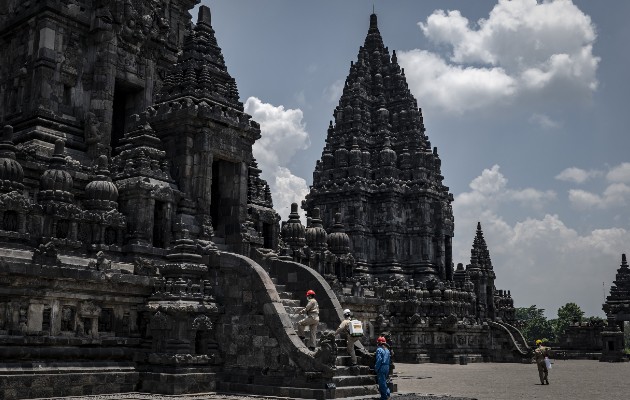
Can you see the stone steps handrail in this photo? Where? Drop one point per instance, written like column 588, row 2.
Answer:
column 518, row 334
column 331, row 311
column 276, row 317
column 514, row 342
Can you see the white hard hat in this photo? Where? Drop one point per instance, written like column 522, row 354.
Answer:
column 347, row 312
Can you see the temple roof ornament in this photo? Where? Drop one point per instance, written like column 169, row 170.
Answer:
column 56, row 183
column 316, row 235
column 479, row 254
column 11, row 172
column 101, row 193
column 200, row 71
column 141, row 153
column 338, row 240
column 293, row 232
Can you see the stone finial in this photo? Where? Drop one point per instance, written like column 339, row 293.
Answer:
column 102, row 162
column 316, row 215
column 7, row 133
column 624, row 263
column 60, row 147
column 373, row 21
column 204, row 16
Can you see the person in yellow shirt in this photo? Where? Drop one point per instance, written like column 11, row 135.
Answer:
column 540, row 354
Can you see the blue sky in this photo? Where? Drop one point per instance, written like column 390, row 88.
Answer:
column 526, row 101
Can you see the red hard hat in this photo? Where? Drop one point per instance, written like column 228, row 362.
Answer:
column 310, row 293
column 381, row 339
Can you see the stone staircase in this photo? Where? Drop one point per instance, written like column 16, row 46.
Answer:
column 516, row 337
column 348, row 380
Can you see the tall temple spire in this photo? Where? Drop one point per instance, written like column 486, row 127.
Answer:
column 377, row 152
column 373, row 20
column 480, row 256
column 200, row 71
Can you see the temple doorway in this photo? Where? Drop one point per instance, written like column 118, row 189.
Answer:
column 127, row 101
column 159, row 239
column 225, row 198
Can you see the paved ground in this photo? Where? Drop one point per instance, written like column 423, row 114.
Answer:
column 571, row 379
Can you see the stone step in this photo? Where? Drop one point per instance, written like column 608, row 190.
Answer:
column 287, row 295
column 343, row 360
column 367, row 391
column 354, row 380
column 294, row 304
column 280, row 288
column 344, row 370
column 276, row 391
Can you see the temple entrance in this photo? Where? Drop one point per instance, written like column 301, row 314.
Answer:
column 127, row 101
column 225, row 197
column 268, row 236
column 159, row 211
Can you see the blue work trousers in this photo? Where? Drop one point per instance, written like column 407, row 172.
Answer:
column 382, row 384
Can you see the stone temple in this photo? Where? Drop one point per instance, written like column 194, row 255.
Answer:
column 617, row 309
column 139, row 247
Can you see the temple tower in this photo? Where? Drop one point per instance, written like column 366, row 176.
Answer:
column 208, row 137
column 617, row 309
column 78, row 69
column 379, row 172
column 482, row 275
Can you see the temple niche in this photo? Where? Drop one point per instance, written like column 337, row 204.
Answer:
column 139, row 244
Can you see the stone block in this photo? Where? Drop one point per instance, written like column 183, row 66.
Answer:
column 47, row 38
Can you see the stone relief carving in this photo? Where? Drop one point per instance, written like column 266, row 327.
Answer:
column 202, row 323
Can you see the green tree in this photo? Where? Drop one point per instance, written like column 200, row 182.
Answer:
column 567, row 314
column 533, row 324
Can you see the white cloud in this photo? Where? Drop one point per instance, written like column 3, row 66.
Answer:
column 452, row 87
column 577, row 175
column 522, row 48
column 620, row 173
column 532, row 255
column 287, row 188
column 283, row 134
column 581, row 199
column 490, row 188
column 615, row 195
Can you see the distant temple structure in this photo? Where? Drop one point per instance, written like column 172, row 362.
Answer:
column 617, row 309
column 139, row 247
